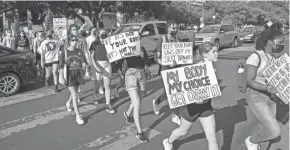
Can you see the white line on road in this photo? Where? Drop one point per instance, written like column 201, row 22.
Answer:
column 40, row 119
column 123, row 139
column 5, row 101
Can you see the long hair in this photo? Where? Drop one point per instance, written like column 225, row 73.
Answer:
column 265, row 36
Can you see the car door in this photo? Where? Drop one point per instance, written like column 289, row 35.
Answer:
column 149, row 41
column 223, row 36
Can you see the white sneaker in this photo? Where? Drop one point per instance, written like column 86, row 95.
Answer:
column 101, row 91
column 250, row 145
column 79, row 120
column 79, row 100
column 68, row 107
column 155, row 107
column 167, row 145
column 79, row 89
column 175, row 119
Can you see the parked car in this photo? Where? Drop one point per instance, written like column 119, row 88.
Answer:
column 151, row 33
column 220, row 34
column 250, row 33
column 16, row 68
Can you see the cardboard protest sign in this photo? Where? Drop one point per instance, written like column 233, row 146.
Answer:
column 278, row 75
column 180, row 52
column 122, row 45
column 60, row 27
column 190, row 84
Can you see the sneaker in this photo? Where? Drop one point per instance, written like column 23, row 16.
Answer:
column 167, row 145
column 79, row 100
column 101, row 91
column 175, row 119
column 250, row 145
column 95, row 101
column 141, row 137
column 110, row 109
column 79, row 89
column 155, row 107
column 129, row 119
column 79, row 120
column 68, row 107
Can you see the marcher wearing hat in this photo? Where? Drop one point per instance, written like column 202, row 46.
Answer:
column 39, row 38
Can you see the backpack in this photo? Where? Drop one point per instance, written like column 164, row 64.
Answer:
column 241, row 75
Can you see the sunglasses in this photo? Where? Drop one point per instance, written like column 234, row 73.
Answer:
column 174, row 28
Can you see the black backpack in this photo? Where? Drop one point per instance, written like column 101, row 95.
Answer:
column 241, row 75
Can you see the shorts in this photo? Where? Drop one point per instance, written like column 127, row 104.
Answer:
column 135, row 77
column 107, row 70
column 50, row 64
column 38, row 56
column 193, row 111
column 255, row 96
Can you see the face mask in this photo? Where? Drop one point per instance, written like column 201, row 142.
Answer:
column 103, row 36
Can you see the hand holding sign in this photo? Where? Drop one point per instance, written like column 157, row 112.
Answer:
column 122, row 45
column 177, row 53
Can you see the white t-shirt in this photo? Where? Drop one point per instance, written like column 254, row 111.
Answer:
column 50, row 55
column 264, row 63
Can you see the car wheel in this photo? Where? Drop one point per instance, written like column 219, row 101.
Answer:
column 9, row 84
column 217, row 44
column 235, row 42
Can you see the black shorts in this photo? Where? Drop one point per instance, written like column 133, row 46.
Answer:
column 50, row 64
column 38, row 56
column 193, row 111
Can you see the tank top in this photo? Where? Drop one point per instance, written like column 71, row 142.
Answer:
column 100, row 51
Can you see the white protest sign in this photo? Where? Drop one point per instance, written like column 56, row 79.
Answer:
column 122, row 45
column 60, row 27
column 180, row 52
column 278, row 75
column 190, row 84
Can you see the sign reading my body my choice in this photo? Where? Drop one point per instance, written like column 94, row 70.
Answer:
column 180, row 52
column 190, row 84
column 278, row 75
column 122, row 45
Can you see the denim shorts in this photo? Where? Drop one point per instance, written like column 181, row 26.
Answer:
column 134, row 78
column 254, row 96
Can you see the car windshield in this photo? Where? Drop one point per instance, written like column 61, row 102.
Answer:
column 127, row 28
column 209, row 29
column 248, row 29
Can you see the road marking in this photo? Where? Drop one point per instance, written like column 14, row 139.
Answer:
column 39, row 119
column 5, row 101
column 123, row 139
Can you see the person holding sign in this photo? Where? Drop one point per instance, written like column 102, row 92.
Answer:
column 103, row 69
column 172, row 29
column 75, row 60
column 203, row 111
column 259, row 92
column 135, row 77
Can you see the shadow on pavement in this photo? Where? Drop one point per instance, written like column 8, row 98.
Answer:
column 233, row 115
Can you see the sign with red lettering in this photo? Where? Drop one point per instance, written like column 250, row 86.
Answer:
column 122, row 45
column 278, row 75
column 190, row 84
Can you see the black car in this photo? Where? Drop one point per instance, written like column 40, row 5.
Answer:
column 16, row 68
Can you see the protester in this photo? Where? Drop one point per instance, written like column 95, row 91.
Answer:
column 75, row 60
column 259, row 92
column 172, row 29
column 49, row 50
column 39, row 38
column 135, row 78
column 203, row 111
column 103, row 69
column 9, row 40
column 22, row 42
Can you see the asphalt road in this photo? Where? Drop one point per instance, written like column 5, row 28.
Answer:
column 36, row 119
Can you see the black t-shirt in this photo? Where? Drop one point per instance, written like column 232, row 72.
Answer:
column 100, row 51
